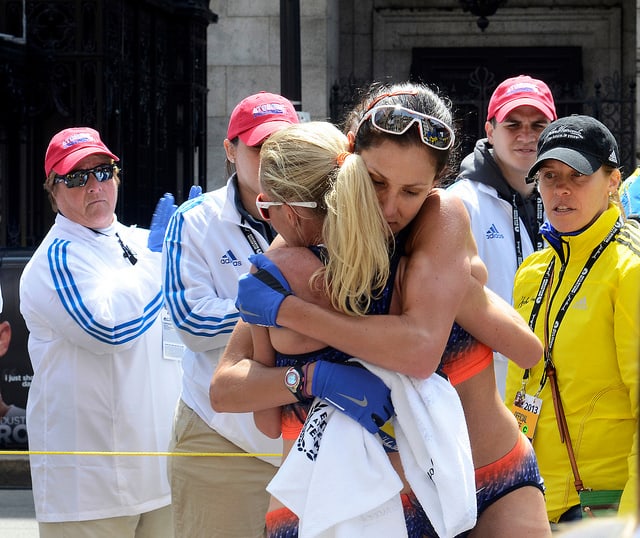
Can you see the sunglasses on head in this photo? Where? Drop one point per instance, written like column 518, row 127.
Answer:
column 79, row 178
column 263, row 207
column 397, row 120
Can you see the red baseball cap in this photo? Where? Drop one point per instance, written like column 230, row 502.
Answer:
column 70, row 146
column 521, row 91
column 259, row 116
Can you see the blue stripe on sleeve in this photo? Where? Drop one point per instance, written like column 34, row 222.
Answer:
column 72, row 301
column 175, row 291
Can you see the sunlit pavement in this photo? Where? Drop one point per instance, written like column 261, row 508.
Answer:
column 17, row 515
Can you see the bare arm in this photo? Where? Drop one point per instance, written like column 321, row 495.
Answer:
column 268, row 421
column 493, row 321
column 241, row 384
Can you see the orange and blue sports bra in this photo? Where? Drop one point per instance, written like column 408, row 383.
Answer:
column 464, row 356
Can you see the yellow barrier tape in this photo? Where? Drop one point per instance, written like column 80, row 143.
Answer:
column 98, row 453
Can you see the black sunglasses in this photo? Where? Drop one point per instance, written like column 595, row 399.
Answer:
column 79, row 178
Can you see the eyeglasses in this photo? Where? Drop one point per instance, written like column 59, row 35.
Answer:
column 79, row 178
column 263, row 207
column 396, row 120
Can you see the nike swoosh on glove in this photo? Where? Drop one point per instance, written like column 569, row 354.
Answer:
column 260, row 294
column 355, row 391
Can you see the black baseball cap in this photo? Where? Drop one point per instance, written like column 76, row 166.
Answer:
column 581, row 142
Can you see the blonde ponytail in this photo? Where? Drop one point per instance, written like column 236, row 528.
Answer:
column 357, row 239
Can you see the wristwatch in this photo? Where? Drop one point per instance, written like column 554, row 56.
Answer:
column 294, row 381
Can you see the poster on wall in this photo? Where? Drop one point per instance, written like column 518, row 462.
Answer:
column 15, row 366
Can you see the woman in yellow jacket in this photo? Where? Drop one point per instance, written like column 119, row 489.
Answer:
column 581, row 295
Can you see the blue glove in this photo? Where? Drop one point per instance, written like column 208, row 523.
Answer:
column 161, row 215
column 165, row 208
column 354, row 390
column 260, row 294
column 194, row 192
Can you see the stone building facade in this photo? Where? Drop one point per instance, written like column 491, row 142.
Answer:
column 586, row 50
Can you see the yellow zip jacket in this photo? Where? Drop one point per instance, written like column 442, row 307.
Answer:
column 596, row 354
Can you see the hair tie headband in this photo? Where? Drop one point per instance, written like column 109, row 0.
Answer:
column 341, row 157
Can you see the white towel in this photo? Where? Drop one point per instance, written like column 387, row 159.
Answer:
column 434, row 448
column 339, row 481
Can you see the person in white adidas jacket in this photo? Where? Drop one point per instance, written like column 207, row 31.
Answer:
column 207, row 245
column 91, row 298
column 506, row 212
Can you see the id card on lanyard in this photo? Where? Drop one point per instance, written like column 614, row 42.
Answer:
column 172, row 346
column 526, row 408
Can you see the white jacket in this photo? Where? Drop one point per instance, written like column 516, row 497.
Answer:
column 100, row 382
column 492, row 228
column 205, row 252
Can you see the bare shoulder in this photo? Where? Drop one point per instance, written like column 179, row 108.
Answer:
column 298, row 264
column 444, row 207
column 294, row 260
column 443, row 217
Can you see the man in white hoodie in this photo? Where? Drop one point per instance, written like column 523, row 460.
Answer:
column 506, row 211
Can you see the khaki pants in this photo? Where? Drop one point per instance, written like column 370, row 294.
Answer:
column 154, row 524
column 215, row 497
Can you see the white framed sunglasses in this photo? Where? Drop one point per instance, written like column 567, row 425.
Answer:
column 263, row 207
column 397, row 120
